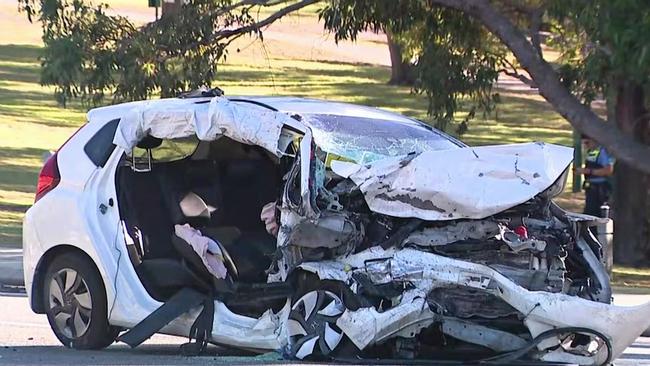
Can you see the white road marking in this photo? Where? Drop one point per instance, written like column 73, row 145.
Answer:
column 23, row 325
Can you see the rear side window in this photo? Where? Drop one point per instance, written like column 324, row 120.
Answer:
column 170, row 150
column 100, row 147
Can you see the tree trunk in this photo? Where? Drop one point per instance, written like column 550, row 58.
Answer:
column 400, row 70
column 171, row 6
column 631, row 187
column 581, row 117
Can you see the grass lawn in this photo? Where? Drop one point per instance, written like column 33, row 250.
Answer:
column 297, row 59
column 631, row 277
column 33, row 123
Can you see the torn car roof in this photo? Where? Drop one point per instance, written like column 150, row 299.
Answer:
column 452, row 182
column 290, row 105
column 464, row 183
column 209, row 119
column 179, row 114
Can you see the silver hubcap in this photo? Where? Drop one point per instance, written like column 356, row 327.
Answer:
column 312, row 324
column 70, row 303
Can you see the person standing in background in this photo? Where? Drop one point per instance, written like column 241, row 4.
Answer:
column 598, row 168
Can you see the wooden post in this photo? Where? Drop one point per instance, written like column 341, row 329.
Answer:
column 154, row 4
column 606, row 238
column 577, row 161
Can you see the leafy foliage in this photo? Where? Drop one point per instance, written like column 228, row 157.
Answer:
column 89, row 53
column 79, row 56
column 603, row 42
column 452, row 54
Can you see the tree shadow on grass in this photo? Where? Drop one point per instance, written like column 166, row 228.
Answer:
column 19, row 178
column 27, row 73
column 20, row 53
column 21, row 153
column 37, row 106
column 310, row 71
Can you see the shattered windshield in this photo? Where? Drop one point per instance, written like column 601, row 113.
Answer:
column 364, row 140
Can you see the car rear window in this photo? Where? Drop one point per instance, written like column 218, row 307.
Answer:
column 100, row 147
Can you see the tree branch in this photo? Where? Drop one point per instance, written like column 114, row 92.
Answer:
column 263, row 23
column 511, row 70
column 236, row 5
column 582, row 118
column 238, row 32
column 535, row 26
column 519, row 76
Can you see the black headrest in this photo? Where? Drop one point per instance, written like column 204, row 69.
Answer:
column 149, row 142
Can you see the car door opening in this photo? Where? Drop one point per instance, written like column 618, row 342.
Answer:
column 234, row 180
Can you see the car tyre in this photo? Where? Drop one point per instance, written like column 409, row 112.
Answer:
column 311, row 326
column 75, row 299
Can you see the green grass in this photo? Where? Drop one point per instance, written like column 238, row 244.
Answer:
column 32, row 122
column 519, row 118
column 631, row 277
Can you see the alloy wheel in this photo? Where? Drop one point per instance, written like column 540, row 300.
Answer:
column 70, row 303
column 312, row 325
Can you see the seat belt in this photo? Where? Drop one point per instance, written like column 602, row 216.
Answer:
column 183, row 301
column 201, row 330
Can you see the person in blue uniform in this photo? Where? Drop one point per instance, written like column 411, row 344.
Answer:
column 598, row 168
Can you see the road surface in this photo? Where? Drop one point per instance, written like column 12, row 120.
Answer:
column 26, row 339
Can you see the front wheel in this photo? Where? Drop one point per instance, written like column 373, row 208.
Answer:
column 75, row 299
column 311, row 326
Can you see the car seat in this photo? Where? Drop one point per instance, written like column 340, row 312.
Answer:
column 189, row 281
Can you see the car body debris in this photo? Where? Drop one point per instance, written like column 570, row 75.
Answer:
column 386, row 237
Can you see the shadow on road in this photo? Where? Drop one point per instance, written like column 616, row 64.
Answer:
column 153, row 354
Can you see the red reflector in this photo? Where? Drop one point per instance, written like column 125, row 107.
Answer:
column 521, row 231
column 48, row 178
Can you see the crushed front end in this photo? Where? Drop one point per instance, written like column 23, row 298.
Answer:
column 510, row 276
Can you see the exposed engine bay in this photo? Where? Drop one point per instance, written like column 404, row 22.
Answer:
column 388, row 262
column 528, row 244
column 408, row 246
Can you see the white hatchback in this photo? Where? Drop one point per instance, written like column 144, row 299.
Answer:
column 382, row 237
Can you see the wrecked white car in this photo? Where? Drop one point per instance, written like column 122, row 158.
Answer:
column 392, row 240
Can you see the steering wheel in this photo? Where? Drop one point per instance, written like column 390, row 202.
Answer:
column 227, row 260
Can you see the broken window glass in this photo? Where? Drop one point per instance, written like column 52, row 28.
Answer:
column 364, row 140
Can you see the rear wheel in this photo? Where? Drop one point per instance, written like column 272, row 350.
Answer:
column 75, row 299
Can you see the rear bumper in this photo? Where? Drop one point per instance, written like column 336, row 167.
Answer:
column 32, row 252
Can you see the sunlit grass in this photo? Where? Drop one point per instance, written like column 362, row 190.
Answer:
column 33, row 123
column 631, row 277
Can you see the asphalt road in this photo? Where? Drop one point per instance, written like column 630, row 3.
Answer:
column 26, row 339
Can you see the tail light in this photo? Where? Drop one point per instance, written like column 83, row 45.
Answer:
column 48, row 178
